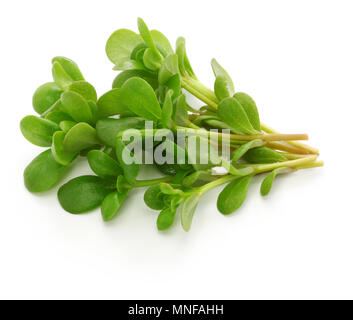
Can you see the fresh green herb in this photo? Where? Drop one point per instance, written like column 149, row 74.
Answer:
column 73, row 121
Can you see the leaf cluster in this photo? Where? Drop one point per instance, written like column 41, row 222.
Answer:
column 72, row 121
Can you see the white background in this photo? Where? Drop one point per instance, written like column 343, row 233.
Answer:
column 294, row 57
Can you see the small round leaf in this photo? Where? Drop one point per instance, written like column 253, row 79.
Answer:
column 140, row 98
column 102, row 164
column 79, row 137
column 60, row 155
column 154, row 198
column 166, row 218
column 120, row 45
column 45, row 96
column 76, row 106
column 233, row 195
column 84, row 88
column 38, row 131
column 111, row 204
column 84, row 193
column 43, row 172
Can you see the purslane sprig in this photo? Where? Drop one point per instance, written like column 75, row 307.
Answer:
column 73, row 121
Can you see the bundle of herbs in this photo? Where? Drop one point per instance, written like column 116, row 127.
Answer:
column 145, row 120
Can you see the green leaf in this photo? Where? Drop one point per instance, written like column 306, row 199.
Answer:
column 60, row 155
column 122, row 185
column 65, row 71
column 187, row 65
column 141, row 47
column 139, row 57
column 76, row 106
column 38, row 131
column 111, row 204
column 102, row 164
column 168, row 69
column 167, row 110
column 66, row 125
column 224, row 87
column 151, row 60
column 130, row 170
column 108, row 129
column 250, row 108
column 140, row 98
column 263, row 155
column 168, row 169
column 94, row 110
column 61, row 78
column 181, row 116
column 43, row 172
column 128, row 64
column 57, row 106
column 184, row 63
column 174, row 84
column 267, row 182
column 123, row 76
column 166, row 218
column 70, row 67
column 221, row 88
column 188, row 210
column 45, row 96
column 213, row 122
column 80, row 137
column 84, row 88
column 161, row 41
column 180, row 52
column 232, row 113
column 110, row 104
column 58, row 116
column 83, row 194
column 146, row 35
column 153, row 198
column 168, row 189
column 120, row 45
column 244, row 148
column 179, row 176
column 233, row 195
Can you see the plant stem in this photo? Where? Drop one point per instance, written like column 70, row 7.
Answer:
column 193, row 126
column 198, row 94
column 249, row 137
column 260, row 168
column 216, row 183
column 201, row 88
column 293, row 156
column 311, row 165
column 151, row 182
column 287, row 147
column 312, row 150
column 304, row 163
column 206, row 95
